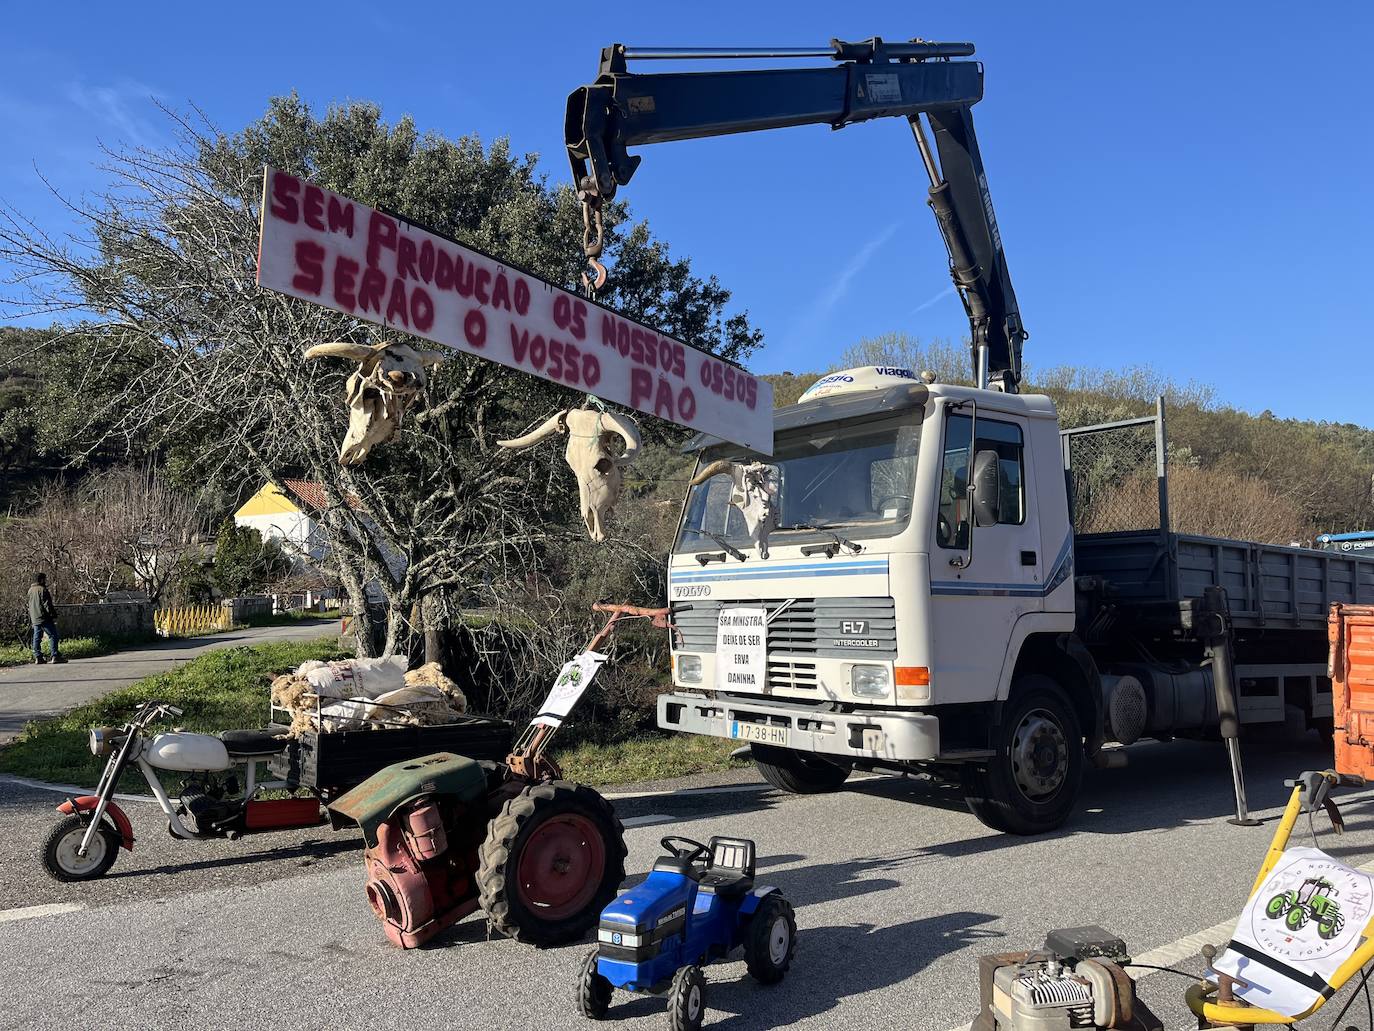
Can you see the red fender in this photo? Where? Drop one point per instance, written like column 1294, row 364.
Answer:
column 87, row 804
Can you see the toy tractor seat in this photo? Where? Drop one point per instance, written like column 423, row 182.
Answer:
column 729, row 867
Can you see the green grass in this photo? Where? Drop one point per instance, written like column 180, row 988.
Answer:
column 221, row 690
column 292, row 617
column 650, row 757
column 72, row 648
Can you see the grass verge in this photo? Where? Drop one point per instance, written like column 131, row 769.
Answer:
column 225, row 689
column 292, row 617
column 72, row 648
column 650, row 757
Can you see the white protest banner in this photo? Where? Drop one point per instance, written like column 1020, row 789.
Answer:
column 1309, row 916
column 741, row 648
column 322, row 247
column 572, row 680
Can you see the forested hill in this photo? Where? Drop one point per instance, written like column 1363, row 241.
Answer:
column 1233, row 473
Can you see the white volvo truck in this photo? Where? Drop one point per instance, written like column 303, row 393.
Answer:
column 926, row 602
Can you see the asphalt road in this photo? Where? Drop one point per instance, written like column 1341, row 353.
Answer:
column 898, row 891
column 32, row 692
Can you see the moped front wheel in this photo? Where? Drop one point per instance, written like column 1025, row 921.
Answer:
column 62, row 859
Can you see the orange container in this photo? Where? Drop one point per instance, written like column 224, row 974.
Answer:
column 1351, row 668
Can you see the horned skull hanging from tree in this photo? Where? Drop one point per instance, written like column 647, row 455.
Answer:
column 754, row 491
column 389, row 376
column 591, row 432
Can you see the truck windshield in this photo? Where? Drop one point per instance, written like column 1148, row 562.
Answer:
column 856, row 479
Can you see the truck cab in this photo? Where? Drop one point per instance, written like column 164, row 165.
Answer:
column 922, row 539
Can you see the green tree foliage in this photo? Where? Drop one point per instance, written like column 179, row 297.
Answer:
column 244, row 562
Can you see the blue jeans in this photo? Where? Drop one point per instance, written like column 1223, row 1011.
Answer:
column 49, row 628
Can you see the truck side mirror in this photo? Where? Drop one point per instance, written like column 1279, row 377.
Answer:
column 987, row 494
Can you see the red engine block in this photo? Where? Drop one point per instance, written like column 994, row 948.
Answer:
column 418, row 881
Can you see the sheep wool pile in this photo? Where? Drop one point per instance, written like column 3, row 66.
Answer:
column 363, row 694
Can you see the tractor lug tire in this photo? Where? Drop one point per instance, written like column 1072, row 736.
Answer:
column 687, row 999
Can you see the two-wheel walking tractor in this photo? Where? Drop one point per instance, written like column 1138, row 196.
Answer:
column 445, row 834
column 698, row 905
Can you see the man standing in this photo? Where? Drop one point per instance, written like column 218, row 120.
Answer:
column 43, row 616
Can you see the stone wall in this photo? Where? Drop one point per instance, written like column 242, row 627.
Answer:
column 254, row 606
column 106, row 619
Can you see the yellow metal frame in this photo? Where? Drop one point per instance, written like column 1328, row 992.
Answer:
column 1200, row 996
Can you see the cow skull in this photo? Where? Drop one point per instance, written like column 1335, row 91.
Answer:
column 754, row 491
column 598, row 471
column 388, row 377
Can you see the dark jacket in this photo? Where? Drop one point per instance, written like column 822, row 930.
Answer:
column 40, row 606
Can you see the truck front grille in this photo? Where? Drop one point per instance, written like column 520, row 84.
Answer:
column 839, row 628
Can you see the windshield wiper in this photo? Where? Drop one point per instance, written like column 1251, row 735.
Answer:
column 730, row 549
column 840, row 542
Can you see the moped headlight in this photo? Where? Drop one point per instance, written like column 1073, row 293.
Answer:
column 689, row 669
column 870, row 681
column 102, row 740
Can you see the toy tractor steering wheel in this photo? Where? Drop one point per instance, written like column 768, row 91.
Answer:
column 690, row 854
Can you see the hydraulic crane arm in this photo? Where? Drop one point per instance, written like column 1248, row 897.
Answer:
column 871, row 79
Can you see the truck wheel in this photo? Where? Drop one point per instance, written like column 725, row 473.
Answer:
column 1031, row 784
column 60, row 858
column 687, row 1000
column 796, row 772
column 551, row 863
column 770, row 940
column 593, row 990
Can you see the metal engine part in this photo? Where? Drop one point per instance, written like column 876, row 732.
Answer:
column 1126, row 706
column 1076, row 983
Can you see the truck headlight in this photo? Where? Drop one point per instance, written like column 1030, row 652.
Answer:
column 689, row 669
column 870, row 681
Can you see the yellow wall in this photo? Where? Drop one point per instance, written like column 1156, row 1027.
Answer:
column 268, row 501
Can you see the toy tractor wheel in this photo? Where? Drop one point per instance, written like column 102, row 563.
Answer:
column 687, row 1000
column 1276, row 907
column 1297, row 916
column 770, row 940
column 551, row 862
column 593, row 990
column 60, row 856
column 796, row 772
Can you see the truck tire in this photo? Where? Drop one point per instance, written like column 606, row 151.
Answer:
column 796, row 772
column 552, row 861
column 1030, row 785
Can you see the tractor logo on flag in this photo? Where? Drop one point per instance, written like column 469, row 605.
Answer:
column 1312, row 901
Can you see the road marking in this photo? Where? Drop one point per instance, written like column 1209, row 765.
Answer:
column 68, row 789
column 29, row 912
column 648, row 821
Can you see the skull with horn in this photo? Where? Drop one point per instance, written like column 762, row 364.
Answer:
column 599, row 471
column 388, row 377
column 754, row 491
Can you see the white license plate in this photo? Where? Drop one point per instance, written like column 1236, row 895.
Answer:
column 758, row 732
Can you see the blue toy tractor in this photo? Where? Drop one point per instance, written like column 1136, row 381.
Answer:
column 697, row 905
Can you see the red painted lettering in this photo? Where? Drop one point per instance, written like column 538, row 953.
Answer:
column 519, row 343
column 679, row 361
column 591, row 370
column 751, row 393
column 427, row 261
column 310, row 265
column 607, row 331
column 284, row 190
column 663, row 399
column 665, row 353
column 522, row 297
column 341, row 215
column 578, row 328
column 443, row 270
column 574, row 359
column 480, row 290
column 641, row 387
column 313, row 207
column 371, row 289
column 421, row 310
column 500, row 292
column 381, row 232
column 463, row 277
column 539, row 351
column 397, row 304
column 345, row 270
column 475, row 328
column 687, row 405
column 405, row 258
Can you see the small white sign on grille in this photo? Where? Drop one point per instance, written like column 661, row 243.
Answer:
column 742, row 649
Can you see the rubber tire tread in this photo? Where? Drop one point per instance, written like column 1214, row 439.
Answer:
column 64, row 827
column 782, row 769
column 990, row 792
column 679, row 1016
column 593, row 990
column 498, row 862
column 756, row 955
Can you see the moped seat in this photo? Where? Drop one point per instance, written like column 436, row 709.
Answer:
column 254, row 742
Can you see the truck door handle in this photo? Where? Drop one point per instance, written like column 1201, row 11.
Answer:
column 1028, row 558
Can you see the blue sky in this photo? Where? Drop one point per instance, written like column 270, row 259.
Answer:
column 1184, row 185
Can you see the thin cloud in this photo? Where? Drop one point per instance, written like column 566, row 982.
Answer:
column 833, row 294
column 947, row 291
column 118, row 106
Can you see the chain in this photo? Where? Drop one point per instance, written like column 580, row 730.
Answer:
column 593, row 242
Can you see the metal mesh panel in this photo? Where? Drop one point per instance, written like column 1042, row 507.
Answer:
column 1113, row 476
